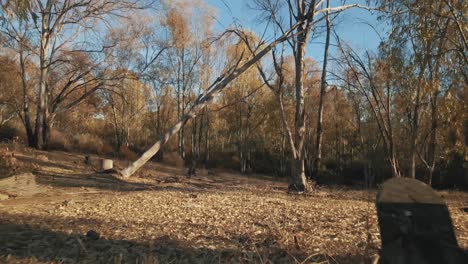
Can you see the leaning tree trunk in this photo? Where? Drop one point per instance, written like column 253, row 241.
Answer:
column 204, row 100
column 394, row 164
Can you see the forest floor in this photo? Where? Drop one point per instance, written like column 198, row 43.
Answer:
column 161, row 216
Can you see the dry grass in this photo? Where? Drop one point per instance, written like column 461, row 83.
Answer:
column 168, row 218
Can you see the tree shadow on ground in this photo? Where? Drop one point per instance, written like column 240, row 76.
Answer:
column 63, row 170
column 61, row 174
column 90, row 180
column 41, row 162
column 26, row 238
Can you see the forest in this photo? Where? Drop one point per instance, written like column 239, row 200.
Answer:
column 163, row 89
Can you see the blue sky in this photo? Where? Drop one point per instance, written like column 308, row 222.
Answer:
column 350, row 25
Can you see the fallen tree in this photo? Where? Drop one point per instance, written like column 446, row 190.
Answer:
column 221, row 82
column 204, row 99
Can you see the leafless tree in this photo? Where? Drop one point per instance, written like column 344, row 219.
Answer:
column 54, row 26
column 307, row 13
column 363, row 77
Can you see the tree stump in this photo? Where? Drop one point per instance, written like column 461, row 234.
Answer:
column 107, row 164
column 415, row 225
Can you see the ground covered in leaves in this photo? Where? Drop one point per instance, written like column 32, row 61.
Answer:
column 161, row 216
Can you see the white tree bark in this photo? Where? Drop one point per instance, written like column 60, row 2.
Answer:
column 204, row 100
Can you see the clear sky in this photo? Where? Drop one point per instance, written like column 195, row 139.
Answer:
column 351, row 25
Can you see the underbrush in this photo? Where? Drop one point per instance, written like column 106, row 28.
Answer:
column 59, row 141
column 8, row 162
column 127, row 154
column 89, row 143
column 12, row 132
column 173, row 159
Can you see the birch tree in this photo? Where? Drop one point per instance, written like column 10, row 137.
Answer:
column 428, row 35
column 307, row 14
column 373, row 80
column 54, row 26
column 323, row 86
column 303, row 15
column 206, row 98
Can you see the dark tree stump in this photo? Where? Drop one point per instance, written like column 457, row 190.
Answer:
column 415, row 225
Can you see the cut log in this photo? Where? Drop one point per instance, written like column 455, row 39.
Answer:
column 415, row 225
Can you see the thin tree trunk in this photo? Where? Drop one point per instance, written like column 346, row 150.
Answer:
column 118, row 138
column 433, row 138
column 323, row 84
column 283, row 156
column 193, row 161
column 207, row 138
column 182, row 131
column 193, row 137
column 247, row 149
column 180, row 134
column 200, row 136
column 26, row 113
column 47, row 122
column 413, row 155
column 241, row 141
